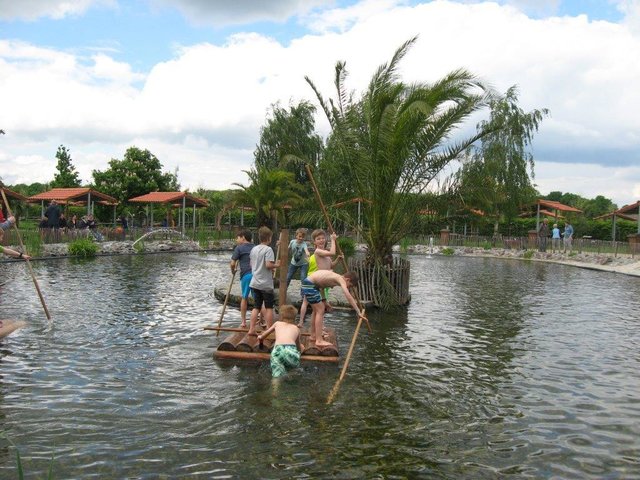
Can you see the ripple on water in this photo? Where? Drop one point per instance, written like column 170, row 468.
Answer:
column 497, row 368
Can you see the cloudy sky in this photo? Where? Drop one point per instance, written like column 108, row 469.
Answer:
column 192, row 80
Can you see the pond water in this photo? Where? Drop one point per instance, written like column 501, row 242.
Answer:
column 498, row 368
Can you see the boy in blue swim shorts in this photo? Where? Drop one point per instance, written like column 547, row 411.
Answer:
column 287, row 348
column 241, row 255
column 313, row 289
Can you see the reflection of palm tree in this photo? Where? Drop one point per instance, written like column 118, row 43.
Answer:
column 269, row 193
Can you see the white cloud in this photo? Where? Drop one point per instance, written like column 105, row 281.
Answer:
column 202, row 110
column 631, row 11
column 57, row 9
column 589, row 180
column 238, row 12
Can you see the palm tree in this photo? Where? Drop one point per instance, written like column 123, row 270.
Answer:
column 270, row 192
column 393, row 141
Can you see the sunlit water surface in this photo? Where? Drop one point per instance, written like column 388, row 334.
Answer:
column 497, row 369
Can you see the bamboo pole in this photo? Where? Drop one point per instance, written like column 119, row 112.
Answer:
column 336, row 387
column 230, row 355
column 237, row 329
column 284, row 267
column 226, row 299
column 33, row 275
column 343, row 372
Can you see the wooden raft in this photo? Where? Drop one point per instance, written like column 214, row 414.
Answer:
column 241, row 346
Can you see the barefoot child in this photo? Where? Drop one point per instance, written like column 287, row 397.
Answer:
column 299, row 256
column 262, row 264
column 313, row 289
column 287, row 348
column 320, row 260
column 241, row 255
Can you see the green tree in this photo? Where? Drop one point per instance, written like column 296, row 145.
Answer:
column 31, row 189
column 219, row 203
column 497, row 176
column 289, row 132
column 591, row 207
column 393, row 141
column 138, row 173
column 269, row 193
column 67, row 175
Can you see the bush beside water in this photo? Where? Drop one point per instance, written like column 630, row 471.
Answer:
column 83, row 247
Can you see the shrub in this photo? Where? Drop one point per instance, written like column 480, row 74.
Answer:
column 139, row 246
column 528, row 254
column 83, row 247
column 486, row 245
column 347, row 245
column 33, row 243
column 448, row 251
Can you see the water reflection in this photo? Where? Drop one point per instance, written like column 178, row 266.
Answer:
column 496, row 368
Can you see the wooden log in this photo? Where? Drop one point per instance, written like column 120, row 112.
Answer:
column 230, row 343
column 265, row 356
column 328, row 351
column 267, row 345
column 244, row 330
column 284, row 266
column 247, row 344
column 331, row 351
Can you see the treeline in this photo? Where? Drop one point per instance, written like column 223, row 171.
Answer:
column 597, row 229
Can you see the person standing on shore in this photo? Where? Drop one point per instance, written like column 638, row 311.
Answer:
column 568, row 236
column 53, row 215
column 543, row 233
column 555, row 238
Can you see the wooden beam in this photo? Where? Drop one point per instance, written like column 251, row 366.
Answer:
column 267, row 356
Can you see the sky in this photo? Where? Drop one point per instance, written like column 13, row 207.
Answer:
column 193, row 81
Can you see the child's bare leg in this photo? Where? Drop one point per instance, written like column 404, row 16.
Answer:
column 252, row 323
column 269, row 317
column 319, row 325
column 312, row 326
column 243, row 313
column 303, row 311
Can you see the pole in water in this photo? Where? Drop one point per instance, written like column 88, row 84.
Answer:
column 33, row 275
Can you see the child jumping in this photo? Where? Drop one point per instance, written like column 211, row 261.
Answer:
column 287, row 347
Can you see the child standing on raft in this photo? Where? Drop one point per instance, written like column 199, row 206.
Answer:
column 313, row 290
column 241, row 254
column 322, row 259
column 299, row 256
column 262, row 264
